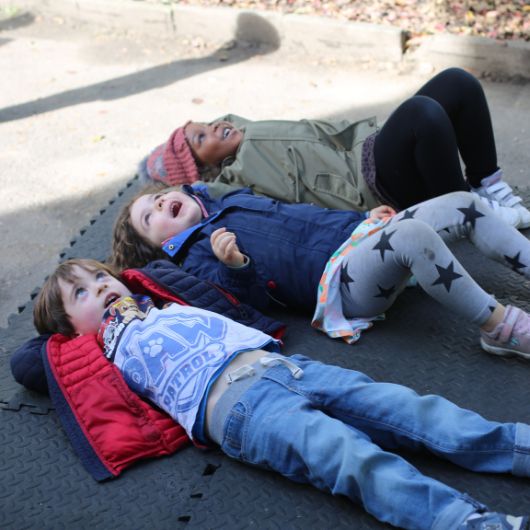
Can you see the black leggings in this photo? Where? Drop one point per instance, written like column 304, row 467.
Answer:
column 416, row 151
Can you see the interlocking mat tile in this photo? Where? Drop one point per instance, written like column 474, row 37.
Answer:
column 42, row 483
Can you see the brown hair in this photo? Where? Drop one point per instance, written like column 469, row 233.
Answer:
column 49, row 315
column 129, row 248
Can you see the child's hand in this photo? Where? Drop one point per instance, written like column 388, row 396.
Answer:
column 225, row 248
column 382, row 212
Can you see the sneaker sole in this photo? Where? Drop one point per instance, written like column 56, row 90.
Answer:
column 503, row 352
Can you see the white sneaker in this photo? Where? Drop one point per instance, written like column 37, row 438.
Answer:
column 508, row 215
column 502, row 192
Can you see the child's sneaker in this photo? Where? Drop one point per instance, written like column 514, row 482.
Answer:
column 498, row 190
column 511, row 336
column 495, row 521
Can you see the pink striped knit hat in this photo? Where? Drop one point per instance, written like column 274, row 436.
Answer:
column 173, row 161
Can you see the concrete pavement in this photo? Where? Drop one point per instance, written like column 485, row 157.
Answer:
column 82, row 102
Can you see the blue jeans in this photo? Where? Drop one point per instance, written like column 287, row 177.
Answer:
column 328, row 429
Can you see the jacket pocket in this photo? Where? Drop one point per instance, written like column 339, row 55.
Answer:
column 338, row 186
column 317, row 179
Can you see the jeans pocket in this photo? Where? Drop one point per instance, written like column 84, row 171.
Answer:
column 234, row 431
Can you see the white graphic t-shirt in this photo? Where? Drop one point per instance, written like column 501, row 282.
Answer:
column 169, row 355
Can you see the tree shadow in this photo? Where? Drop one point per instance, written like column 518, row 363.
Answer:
column 253, row 36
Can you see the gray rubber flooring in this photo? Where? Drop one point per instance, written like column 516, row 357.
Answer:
column 43, row 485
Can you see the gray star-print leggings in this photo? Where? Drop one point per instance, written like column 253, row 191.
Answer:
column 377, row 270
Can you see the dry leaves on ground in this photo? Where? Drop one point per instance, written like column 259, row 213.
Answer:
column 497, row 19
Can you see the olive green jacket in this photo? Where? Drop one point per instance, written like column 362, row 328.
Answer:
column 309, row 161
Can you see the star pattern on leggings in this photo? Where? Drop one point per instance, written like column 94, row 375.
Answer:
column 384, row 244
column 344, row 276
column 446, row 276
column 385, row 293
column 408, row 214
column 514, row 262
column 471, row 214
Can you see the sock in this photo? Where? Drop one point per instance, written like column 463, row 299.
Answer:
column 492, row 179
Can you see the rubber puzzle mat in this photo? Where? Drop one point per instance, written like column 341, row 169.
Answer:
column 43, row 485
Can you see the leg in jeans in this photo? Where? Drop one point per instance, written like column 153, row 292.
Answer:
column 334, row 436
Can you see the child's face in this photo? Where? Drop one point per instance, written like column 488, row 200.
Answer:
column 211, row 144
column 159, row 216
column 86, row 300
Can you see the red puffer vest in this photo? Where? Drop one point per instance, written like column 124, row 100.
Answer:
column 109, row 426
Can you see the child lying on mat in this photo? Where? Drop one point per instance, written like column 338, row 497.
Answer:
column 227, row 384
column 413, row 157
column 348, row 267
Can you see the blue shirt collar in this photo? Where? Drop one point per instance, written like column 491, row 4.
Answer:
column 173, row 245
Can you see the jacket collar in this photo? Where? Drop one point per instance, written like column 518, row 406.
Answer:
column 173, row 245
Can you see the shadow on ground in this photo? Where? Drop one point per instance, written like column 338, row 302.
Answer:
column 253, row 36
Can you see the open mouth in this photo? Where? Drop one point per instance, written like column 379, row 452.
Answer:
column 110, row 299
column 175, row 208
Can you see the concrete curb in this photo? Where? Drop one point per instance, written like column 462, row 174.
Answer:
column 310, row 35
column 484, row 56
column 313, row 36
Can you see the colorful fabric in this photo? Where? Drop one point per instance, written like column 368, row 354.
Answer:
column 328, row 316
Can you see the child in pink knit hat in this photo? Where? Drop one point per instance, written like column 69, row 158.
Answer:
column 413, row 157
column 189, row 147
column 172, row 162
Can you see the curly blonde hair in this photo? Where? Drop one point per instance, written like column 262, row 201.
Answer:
column 129, row 248
column 49, row 315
